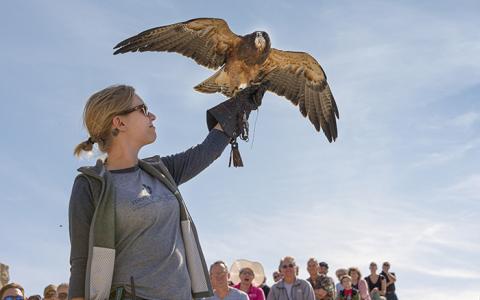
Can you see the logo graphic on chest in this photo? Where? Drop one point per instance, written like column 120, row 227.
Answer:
column 145, row 192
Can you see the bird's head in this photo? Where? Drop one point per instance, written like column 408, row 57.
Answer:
column 262, row 40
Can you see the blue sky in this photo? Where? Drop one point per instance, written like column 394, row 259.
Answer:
column 400, row 184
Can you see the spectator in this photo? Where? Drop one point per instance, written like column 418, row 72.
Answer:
column 277, row 276
column 12, row 291
column 348, row 292
column 323, row 268
column 50, row 292
column 390, row 278
column 4, row 275
column 247, row 277
column 359, row 283
column 376, row 283
column 221, row 291
column 62, row 291
column 265, row 287
column 339, row 273
column 290, row 287
column 35, row 297
column 323, row 287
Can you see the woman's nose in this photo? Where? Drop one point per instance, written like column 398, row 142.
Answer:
column 152, row 116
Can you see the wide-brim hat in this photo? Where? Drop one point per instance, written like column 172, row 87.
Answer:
column 240, row 264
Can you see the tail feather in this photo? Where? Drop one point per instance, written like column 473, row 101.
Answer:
column 212, row 84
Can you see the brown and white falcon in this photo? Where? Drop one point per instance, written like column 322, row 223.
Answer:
column 245, row 60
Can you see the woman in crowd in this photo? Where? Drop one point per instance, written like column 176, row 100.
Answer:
column 127, row 217
column 376, row 283
column 12, row 291
column 248, row 276
column 359, row 283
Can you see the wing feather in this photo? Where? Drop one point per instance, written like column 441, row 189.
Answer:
column 205, row 40
column 301, row 79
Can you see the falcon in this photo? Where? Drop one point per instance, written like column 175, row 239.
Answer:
column 243, row 61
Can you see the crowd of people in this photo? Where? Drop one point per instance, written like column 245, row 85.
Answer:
column 246, row 280
column 15, row 291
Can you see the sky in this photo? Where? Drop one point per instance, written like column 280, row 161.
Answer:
column 401, row 183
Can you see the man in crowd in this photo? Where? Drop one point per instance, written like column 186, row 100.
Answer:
column 219, row 276
column 391, row 279
column 323, row 286
column 277, row 276
column 290, row 287
column 62, row 291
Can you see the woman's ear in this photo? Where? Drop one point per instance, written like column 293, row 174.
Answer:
column 118, row 123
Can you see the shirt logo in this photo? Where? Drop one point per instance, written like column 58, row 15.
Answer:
column 145, row 192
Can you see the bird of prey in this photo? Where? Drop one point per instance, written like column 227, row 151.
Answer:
column 244, row 61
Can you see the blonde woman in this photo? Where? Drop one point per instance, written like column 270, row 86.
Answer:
column 131, row 234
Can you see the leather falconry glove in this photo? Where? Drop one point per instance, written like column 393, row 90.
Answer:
column 233, row 114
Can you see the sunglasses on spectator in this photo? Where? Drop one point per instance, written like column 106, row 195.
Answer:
column 14, row 298
column 288, row 266
column 142, row 107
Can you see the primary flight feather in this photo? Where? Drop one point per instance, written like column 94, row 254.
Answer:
column 244, row 61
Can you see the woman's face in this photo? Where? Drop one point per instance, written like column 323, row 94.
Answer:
column 246, row 276
column 12, row 292
column 137, row 126
column 354, row 275
column 373, row 268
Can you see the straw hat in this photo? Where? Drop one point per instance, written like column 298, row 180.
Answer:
column 240, row 264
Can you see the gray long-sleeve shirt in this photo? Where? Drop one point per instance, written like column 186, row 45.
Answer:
column 148, row 238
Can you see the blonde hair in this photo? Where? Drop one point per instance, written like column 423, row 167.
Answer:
column 98, row 114
column 11, row 285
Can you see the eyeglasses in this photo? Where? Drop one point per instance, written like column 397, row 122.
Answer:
column 288, row 266
column 141, row 107
column 247, row 273
column 14, row 298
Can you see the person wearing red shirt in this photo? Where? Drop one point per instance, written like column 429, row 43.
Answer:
column 250, row 277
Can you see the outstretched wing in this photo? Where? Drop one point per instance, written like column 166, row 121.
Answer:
column 300, row 78
column 206, row 40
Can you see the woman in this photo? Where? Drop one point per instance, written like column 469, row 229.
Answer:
column 50, row 292
column 12, row 291
column 129, row 226
column 376, row 283
column 359, row 283
column 247, row 277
